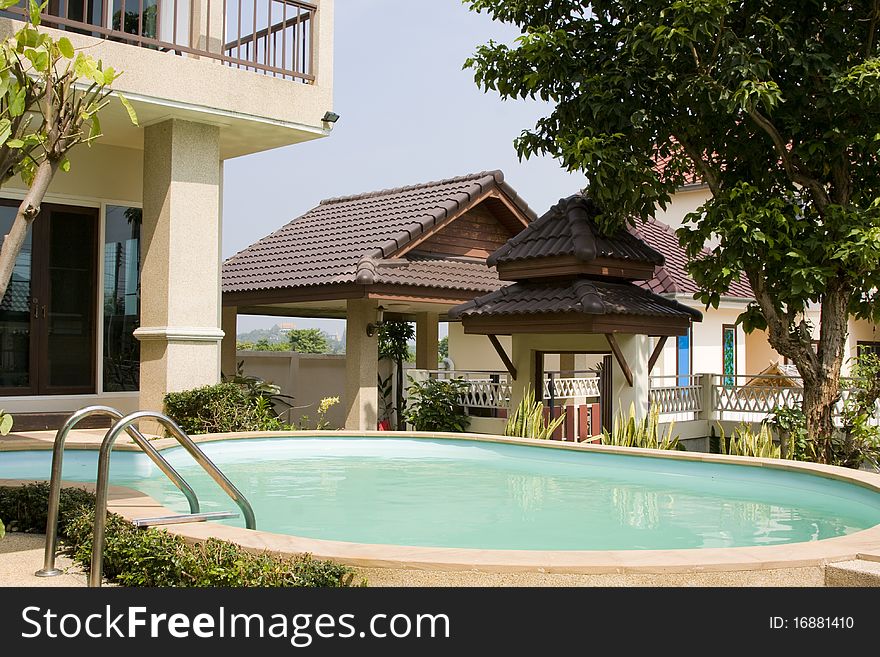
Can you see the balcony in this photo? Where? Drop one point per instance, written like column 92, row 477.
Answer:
column 272, row 37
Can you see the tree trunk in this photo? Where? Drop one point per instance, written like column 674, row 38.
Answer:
column 27, row 212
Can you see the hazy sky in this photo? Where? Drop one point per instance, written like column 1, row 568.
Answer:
column 409, row 114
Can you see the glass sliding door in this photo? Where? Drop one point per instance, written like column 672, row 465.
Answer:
column 47, row 317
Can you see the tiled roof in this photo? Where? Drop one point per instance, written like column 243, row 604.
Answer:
column 580, row 295
column 672, row 277
column 690, row 177
column 568, row 229
column 443, row 273
column 342, row 239
column 17, row 297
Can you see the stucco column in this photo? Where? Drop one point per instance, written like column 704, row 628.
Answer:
column 228, row 357
column 361, row 366
column 523, row 358
column 636, row 349
column 206, row 26
column 180, row 280
column 427, row 337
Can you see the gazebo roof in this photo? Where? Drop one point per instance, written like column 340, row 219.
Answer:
column 567, row 241
column 580, row 304
column 428, row 237
column 573, row 279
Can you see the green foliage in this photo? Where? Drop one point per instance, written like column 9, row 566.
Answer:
column 791, row 427
column 385, row 388
column 321, row 422
column 394, row 339
column 153, row 557
column 528, row 420
column 631, row 432
column 262, row 345
column 745, row 442
column 860, row 440
column 434, row 405
column 24, row 508
column 443, row 348
column 221, row 408
column 774, row 104
column 308, row 341
column 135, row 557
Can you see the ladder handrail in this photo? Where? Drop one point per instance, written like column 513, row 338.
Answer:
column 48, row 569
column 103, row 483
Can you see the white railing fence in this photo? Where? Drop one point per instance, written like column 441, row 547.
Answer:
column 486, row 389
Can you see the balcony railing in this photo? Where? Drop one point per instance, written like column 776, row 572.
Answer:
column 274, row 37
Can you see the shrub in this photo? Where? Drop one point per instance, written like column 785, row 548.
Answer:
column 434, row 405
column 745, row 442
column 629, row 432
column 528, row 419
column 221, row 408
column 153, row 557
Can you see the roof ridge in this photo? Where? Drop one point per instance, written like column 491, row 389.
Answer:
column 497, row 174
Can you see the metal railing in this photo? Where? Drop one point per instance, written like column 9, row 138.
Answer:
column 125, row 424
column 103, row 483
column 48, row 569
column 274, row 37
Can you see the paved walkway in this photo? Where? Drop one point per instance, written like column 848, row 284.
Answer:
column 22, row 554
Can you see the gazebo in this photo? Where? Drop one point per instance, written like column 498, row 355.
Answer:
column 573, row 291
column 406, row 253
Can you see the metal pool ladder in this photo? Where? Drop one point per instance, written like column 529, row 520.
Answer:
column 126, row 424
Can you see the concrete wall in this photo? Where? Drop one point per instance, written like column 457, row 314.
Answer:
column 707, row 351
column 683, row 202
column 307, row 377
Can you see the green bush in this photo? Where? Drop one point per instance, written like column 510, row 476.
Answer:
column 153, row 557
column 221, row 408
column 433, row 405
column 528, row 419
column 630, row 432
column 24, row 508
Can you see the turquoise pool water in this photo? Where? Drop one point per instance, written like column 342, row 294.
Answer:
column 456, row 493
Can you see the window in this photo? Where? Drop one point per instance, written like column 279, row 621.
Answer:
column 122, row 264
column 683, row 358
column 728, row 354
column 863, row 347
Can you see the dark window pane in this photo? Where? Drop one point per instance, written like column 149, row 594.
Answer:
column 15, row 323
column 121, row 298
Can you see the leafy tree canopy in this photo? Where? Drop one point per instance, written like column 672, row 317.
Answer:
column 308, row 341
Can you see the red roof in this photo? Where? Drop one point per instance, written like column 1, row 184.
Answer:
column 672, row 277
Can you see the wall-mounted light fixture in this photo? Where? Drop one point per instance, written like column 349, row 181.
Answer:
column 330, row 117
column 372, row 327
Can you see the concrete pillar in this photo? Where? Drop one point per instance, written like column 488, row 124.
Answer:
column 180, row 280
column 636, row 349
column 427, row 337
column 566, row 364
column 361, row 366
column 228, row 357
column 206, row 26
column 523, row 357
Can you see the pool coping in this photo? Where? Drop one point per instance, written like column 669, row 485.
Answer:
column 864, row 544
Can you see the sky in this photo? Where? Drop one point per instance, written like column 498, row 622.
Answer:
column 408, row 114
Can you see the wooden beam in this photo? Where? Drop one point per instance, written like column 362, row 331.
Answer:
column 658, row 349
column 502, row 355
column 618, row 354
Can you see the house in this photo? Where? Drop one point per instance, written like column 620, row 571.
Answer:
column 116, row 296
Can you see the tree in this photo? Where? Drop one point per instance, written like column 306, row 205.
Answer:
column 394, row 337
column 308, row 341
column 50, row 97
column 443, row 347
column 774, row 104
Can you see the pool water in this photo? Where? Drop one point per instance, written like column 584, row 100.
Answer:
column 457, row 493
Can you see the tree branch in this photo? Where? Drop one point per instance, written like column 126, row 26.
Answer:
column 872, row 28
column 702, row 166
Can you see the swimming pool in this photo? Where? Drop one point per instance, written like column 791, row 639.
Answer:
column 452, row 493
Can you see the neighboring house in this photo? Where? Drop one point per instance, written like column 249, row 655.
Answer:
column 116, row 296
column 408, row 253
column 753, row 352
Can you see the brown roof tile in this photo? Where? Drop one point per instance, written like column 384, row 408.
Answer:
column 340, row 240
column 568, row 229
column 580, row 295
column 672, row 277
